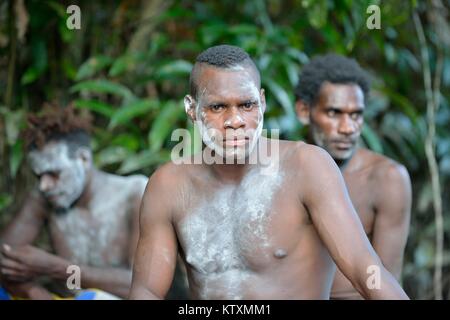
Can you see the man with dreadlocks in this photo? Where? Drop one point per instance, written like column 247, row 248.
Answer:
column 91, row 216
column 331, row 97
column 250, row 227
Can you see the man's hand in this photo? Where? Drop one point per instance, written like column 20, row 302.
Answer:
column 25, row 263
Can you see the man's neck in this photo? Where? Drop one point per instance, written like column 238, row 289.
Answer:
column 92, row 178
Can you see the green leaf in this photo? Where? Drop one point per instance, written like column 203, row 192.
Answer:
column 92, row 66
column 131, row 111
column 281, row 96
column 164, row 123
column 317, row 13
column 5, row 200
column 16, row 157
column 111, row 155
column 39, row 64
column 143, row 160
column 104, row 86
column 371, row 138
column 99, row 107
column 174, row 69
column 128, row 141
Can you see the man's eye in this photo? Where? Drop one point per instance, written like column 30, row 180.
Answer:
column 248, row 106
column 331, row 113
column 217, row 107
column 54, row 174
column 356, row 115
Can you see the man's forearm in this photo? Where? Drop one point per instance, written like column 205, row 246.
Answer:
column 380, row 284
column 116, row 281
column 113, row 280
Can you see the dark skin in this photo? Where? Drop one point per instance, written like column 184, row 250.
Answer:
column 379, row 188
column 292, row 258
column 107, row 267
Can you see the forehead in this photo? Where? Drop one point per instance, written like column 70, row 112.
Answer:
column 52, row 155
column 341, row 95
column 224, row 84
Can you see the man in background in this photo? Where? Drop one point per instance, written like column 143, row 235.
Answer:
column 331, row 96
column 91, row 217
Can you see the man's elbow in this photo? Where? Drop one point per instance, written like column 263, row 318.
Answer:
column 142, row 293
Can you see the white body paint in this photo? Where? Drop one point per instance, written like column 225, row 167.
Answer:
column 92, row 236
column 223, row 232
column 72, row 178
column 210, row 136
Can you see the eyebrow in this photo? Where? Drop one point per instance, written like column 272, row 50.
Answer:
column 339, row 110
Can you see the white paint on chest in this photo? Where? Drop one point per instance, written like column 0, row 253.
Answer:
column 231, row 227
column 91, row 236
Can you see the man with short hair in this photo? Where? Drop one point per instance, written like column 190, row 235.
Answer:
column 331, row 97
column 91, row 216
column 247, row 228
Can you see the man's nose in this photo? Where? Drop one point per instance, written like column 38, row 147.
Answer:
column 234, row 119
column 46, row 183
column 346, row 125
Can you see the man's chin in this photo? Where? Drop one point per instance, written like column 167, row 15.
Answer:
column 343, row 156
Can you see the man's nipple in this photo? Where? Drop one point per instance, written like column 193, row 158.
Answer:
column 280, row 253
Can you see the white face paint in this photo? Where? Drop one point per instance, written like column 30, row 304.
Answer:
column 61, row 178
column 213, row 138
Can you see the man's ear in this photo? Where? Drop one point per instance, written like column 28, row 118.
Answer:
column 189, row 107
column 262, row 95
column 85, row 154
column 303, row 112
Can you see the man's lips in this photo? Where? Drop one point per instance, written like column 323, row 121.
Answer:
column 343, row 144
column 235, row 142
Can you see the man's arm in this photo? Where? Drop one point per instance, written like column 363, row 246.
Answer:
column 25, row 226
column 156, row 253
column 326, row 199
column 23, row 229
column 393, row 213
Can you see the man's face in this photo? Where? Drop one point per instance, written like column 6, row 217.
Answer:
column 336, row 119
column 61, row 178
column 229, row 110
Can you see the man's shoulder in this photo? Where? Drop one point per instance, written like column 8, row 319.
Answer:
column 171, row 174
column 304, row 153
column 134, row 182
column 305, row 158
column 382, row 167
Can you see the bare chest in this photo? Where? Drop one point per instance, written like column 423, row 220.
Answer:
column 360, row 188
column 96, row 236
column 233, row 227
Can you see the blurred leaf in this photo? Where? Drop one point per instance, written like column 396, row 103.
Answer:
column 5, row 200
column 164, row 124
column 111, row 155
column 281, row 96
column 174, row 69
column 104, row 86
column 133, row 110
column 143, row 160
column 99, row 107
column 39, row 64
column 16, row 157
column 92, row 66
column 127, row 141
column 371, row 138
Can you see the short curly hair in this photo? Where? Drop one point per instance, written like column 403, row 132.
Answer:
column 333, row 68
column 56, row 123
column 222, row 56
